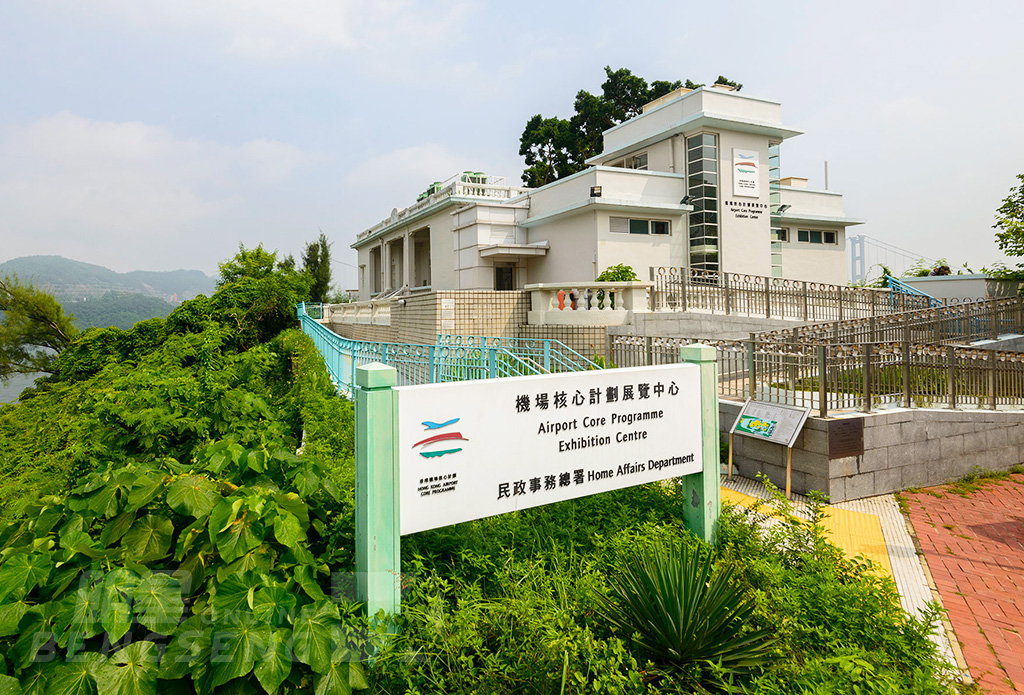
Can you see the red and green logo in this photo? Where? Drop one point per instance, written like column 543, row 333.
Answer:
column 441, row 437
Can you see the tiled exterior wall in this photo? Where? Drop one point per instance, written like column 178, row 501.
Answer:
column 483, row 312
column 589, row 341
column 362, row 331
column 416, row 320
column 902, row 449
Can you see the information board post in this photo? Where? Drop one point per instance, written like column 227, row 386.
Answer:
column 378, row 568
column 702, row 489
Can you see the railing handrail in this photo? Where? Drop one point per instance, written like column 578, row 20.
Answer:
column 453, row 187
column 862, row 376
column 948, row 323
column 686, row 289
column 555, row 349
column 898, row 285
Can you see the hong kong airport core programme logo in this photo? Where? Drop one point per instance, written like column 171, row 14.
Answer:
column 441, row 437
column 746, row 167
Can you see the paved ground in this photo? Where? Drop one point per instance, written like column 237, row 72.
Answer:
column 974, row 547
column 876, row 529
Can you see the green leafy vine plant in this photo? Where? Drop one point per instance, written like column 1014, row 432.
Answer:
column 159, row 576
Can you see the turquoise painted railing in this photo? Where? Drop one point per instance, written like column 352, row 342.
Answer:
column 415, row 364
column 548, row 355
column 899, row 287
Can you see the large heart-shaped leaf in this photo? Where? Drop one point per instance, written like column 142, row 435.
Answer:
column 79, row 616
column 114, row 530
column 144, row 489
column 35, row 632
column 131, row 671
column 118, row 590
column 311, row 635
column 22, row 573
column 274, row 665
column 240, row 535
column 9, row 686
column 306, row 481
column 235, row 647
column 10, row 615
column 77, row 676
column 235, row 596
column 190, row 644
column 287, row 530
column 193, row 495
column 339, row 679
column 274, row 604
column 149, row 538
column 158, row 603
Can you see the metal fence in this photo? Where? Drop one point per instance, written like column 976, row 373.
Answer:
column 954, row 323
column 849, row 377
column 546, row 354
column 684, row 289
column 454, row 358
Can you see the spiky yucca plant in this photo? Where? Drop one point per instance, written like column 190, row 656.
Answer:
column 686, row 615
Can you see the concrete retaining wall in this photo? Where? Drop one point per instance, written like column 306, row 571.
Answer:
column 901, row 449
column 694, row 324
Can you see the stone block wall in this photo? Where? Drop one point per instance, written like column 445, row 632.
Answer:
column 901, row 449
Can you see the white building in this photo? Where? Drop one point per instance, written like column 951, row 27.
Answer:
column 692, row 181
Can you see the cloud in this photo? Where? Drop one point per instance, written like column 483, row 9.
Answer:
column 395, row 178
column 271, row 28
column 79, row 187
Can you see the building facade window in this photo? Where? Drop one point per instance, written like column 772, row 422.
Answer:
column 812, row 236
column 626, row 225
column 634, row 161
column 702, row 186
column 504, row 278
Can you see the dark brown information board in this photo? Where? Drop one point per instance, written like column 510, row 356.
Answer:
column 845, row 437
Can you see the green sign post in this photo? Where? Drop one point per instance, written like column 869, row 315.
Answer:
column 378, row 523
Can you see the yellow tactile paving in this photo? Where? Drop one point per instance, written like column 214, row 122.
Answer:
column 856, row 533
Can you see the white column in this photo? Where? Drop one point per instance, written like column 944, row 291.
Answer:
column 407, row 261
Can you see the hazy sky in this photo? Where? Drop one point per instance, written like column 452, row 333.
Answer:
column 151, row 135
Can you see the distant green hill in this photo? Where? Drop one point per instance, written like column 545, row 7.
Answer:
column 99, row 297
column 120, row 309
column 76, row 281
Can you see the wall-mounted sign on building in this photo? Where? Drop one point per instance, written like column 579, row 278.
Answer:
column 474, row 449
column 746, row 173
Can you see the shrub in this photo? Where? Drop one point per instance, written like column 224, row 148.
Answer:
column 194, row 577
column 684, row 614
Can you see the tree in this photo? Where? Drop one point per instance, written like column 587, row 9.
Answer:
column 252, row 263
column 316, row 262
column 557, row 147
column 1010, row 219
column 34, row 328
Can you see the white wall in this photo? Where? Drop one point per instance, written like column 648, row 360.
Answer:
column 641, row 251
column 572, row 252
column 815, row 262
column 708, row 100
column 744, row 231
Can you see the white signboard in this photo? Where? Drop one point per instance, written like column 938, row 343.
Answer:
column 474, row 449
column 771, row 422
column 746, row 173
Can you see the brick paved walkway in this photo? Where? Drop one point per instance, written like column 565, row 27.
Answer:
column 974, row 546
